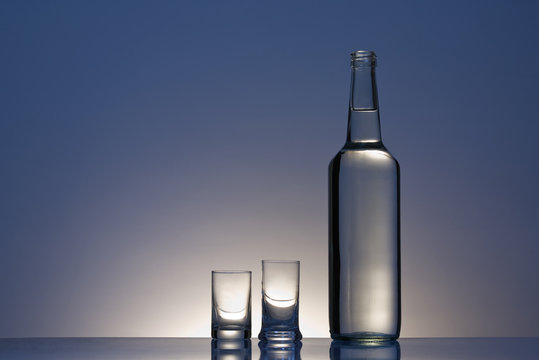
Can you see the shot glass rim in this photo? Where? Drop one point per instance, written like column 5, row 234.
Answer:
column 231, row 272
column 281, row 261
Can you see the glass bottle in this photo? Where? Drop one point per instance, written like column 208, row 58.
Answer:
column 364, row 221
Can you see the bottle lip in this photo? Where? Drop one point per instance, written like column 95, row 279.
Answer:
column 363, row 58
column 362, row 54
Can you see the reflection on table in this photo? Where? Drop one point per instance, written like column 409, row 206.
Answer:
column 231, row 349
column 341, row 350
column 308, row 349
column 280, row 351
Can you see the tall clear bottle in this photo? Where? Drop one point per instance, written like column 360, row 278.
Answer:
column 364, row 221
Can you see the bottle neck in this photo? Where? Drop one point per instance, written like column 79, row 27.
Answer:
column 363, row 116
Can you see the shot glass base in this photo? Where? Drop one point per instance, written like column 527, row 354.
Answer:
column 230, row 334
column 280, row 335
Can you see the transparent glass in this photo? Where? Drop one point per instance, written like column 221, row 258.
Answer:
column 280, row 301
column 364, row 221
column 231, row 349
column 231, row 305
column 347, row 350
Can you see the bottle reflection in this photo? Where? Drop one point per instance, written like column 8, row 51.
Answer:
column 231, row 349
column 276, row 350
column 348, row 350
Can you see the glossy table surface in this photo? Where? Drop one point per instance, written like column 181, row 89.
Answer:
column 203, row 348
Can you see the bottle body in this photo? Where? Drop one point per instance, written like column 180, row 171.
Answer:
column 364, row 245
column 364, row 232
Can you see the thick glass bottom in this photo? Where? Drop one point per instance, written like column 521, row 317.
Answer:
column 230, row 334
column 365, row 337
column 280, row 335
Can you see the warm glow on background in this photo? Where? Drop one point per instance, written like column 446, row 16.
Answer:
column 144, row 144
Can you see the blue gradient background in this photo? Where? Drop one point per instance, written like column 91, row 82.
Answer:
column 144, row 144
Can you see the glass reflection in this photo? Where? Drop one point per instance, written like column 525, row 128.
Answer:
column 231, row 349
column 278, row 350
column 348, row 350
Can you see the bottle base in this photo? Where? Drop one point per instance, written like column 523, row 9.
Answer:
column 365, row 337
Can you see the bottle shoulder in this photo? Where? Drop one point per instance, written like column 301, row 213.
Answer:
column 364, row 156
column 359, row 150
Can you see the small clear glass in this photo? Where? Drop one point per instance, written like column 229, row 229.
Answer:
column 231, row 305
column 280, row 301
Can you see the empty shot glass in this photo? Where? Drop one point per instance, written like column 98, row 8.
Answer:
column 280, row 301
column 231, row 305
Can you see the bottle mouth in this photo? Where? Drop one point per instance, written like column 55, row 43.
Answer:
column 362, row 58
